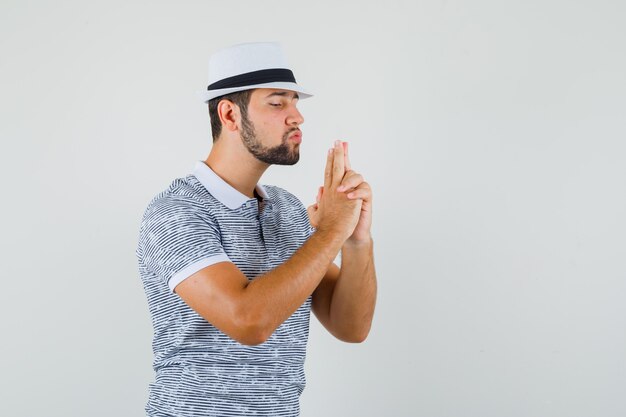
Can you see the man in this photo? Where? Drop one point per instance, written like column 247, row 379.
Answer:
column 232, row 268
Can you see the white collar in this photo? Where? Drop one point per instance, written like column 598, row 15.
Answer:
column 220, row 189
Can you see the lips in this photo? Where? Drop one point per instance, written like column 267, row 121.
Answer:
column 296, row 137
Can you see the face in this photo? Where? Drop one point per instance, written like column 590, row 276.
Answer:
column 270, row 130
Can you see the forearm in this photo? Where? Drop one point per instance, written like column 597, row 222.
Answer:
column 354, row 296
column 273, row 297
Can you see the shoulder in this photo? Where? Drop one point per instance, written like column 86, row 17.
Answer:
column 182, row 198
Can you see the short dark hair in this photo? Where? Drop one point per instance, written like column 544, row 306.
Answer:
column 240, row 98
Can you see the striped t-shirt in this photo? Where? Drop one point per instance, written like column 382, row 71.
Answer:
column 197, row 221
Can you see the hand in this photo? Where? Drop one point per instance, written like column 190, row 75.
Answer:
column 334, row 211
column 354, row 186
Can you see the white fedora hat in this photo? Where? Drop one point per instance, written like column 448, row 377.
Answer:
column 247, row 66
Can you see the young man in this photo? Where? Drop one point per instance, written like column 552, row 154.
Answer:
column 232, row 268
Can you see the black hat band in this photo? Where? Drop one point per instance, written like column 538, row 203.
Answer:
column 255, row 77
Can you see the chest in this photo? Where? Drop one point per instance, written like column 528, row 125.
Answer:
column 258, row 238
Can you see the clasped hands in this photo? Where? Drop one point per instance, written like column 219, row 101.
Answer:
column 355, row 204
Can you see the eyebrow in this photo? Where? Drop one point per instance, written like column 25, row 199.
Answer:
column 282, row 94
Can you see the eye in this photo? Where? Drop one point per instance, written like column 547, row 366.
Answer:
column 275, row 104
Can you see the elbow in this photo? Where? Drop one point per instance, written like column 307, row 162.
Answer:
column 251, row 330
column 252, row 337
column 358, row 338
column 353, row 336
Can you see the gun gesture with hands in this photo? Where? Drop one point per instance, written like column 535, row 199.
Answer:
column 344, row 202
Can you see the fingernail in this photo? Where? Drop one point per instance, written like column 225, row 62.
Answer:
column 337, row 142
column 330, row 151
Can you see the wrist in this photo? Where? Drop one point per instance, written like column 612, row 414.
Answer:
column 331, row 239
column 358, row 242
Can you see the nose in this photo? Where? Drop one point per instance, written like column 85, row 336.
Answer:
column 295, row 117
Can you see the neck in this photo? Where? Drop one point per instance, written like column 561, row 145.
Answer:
column 235, row 165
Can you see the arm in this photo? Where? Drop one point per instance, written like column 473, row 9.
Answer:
column 345, row 299
column 250, row 312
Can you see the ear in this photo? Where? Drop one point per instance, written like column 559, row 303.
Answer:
column 229, row 114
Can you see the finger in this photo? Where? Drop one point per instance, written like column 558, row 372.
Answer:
column 338, row 165
column 360, row 194
column 363, row 192
column 346, row 157
column 350, row 180
column 328, row 171
column 319, row 194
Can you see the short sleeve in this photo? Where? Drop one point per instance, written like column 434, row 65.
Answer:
column 178, row 239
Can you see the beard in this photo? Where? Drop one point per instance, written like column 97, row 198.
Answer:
column 282, row 154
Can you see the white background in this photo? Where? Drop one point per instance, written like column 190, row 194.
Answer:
column 492, row 133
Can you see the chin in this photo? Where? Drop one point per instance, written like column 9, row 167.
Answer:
column 290, row 162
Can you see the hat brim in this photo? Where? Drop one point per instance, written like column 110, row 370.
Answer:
column 207, row 95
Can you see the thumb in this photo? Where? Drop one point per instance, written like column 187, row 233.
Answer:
column 312, row 212
column 320, row 192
